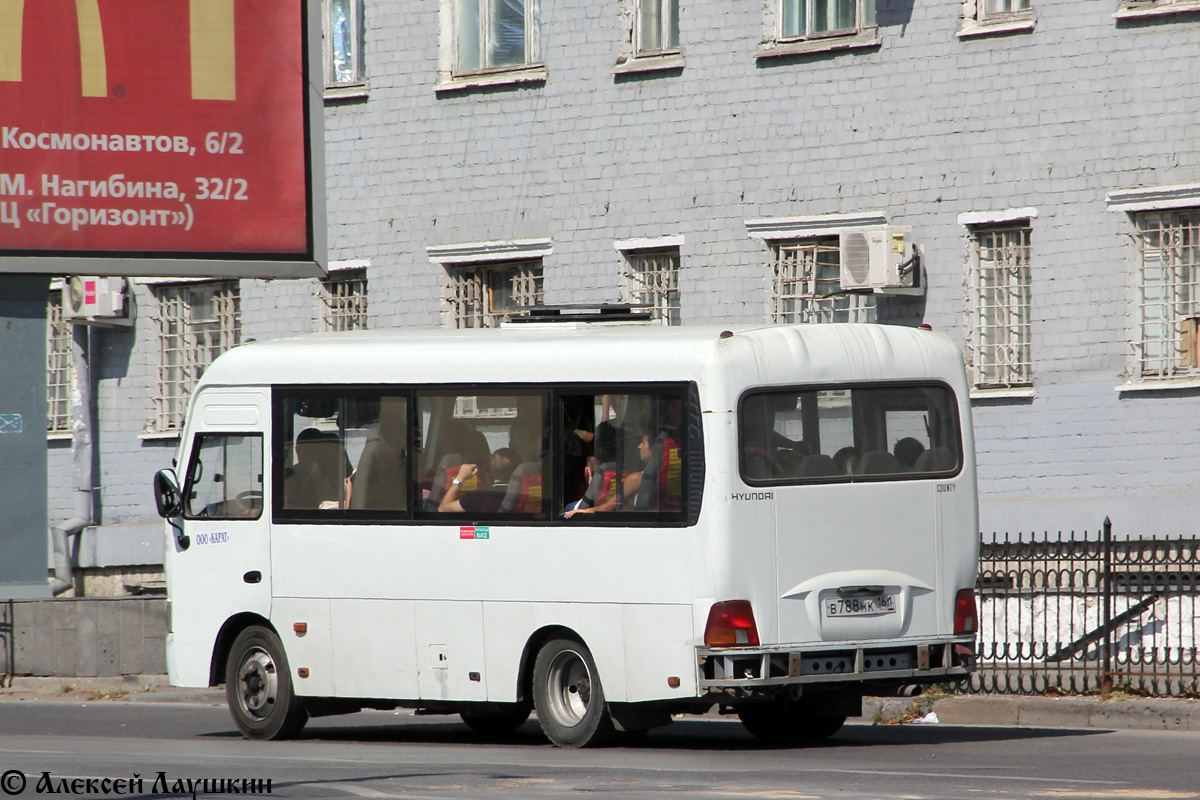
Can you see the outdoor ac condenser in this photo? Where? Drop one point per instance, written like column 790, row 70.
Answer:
column 880, row 260
column 93, row 300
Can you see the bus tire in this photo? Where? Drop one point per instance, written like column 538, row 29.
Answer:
column 568, row 696
column 795, row 722
column 258, row 687
column 496, row 723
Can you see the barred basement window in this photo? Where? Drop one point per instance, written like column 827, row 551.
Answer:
column 1000, row 298
column 485, row 296
column 807, row 285
column 1168, row 294
column 196, row 323
column 342, row 298
column 59, row 376
column 651, row 278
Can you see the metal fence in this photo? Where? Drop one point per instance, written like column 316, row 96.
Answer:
column 1084, row 613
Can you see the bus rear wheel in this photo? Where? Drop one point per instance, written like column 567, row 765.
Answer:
column 258, row 687
column 791, row 721
column 568, row 696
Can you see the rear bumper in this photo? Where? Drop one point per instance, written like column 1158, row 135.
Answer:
column 932, row 660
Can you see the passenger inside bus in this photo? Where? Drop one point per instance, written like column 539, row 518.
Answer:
column 907, row 451
column 602, row 493
column 485, row 500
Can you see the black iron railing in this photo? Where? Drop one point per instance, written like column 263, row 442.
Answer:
column 1087, row 613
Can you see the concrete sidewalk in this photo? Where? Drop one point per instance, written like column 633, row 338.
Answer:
column 1001, row 711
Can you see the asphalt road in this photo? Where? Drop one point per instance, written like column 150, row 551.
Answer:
column 397, row 755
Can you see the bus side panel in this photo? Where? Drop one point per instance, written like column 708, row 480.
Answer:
column 636, row 647
column 193, row 633
column 449, row 650
column 312, row 649
column 374, row 648
column 510, row 626
column 659, row 646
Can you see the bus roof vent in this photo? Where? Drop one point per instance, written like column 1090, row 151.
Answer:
column 583, row 313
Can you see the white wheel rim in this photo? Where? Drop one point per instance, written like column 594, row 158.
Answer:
column 569, row 682
column 258, row 683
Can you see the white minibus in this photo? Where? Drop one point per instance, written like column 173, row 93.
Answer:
column 604, row 523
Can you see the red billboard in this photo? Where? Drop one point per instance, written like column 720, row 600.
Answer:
column 169, row 129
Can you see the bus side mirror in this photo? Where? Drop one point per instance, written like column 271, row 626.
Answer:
column 166, row 494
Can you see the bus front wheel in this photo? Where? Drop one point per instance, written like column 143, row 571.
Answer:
column 568, row 696
column 258, row 687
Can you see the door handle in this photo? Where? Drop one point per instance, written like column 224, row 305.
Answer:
column 253, row 576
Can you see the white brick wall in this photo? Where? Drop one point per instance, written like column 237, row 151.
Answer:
column 924, row 128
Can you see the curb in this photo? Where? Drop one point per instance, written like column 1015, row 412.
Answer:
column 1009, row 711
column 123, row 688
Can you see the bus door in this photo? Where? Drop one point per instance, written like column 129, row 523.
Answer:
column 221, row 563
column 861, row 473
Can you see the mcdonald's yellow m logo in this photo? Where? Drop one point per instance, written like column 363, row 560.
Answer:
column 210, row 34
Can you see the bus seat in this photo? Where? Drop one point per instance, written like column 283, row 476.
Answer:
column 936, row 459
column 317, row 476
column 818, row 466
column 524, row 495
column 878, row 462
column 379, row 481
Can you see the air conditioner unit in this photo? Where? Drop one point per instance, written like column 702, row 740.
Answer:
column 880, row 260
column 91, row 300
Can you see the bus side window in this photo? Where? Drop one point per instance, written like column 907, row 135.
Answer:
column 225, row 478
column 636, row 455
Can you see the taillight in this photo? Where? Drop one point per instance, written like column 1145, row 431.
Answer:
column 731, row 624
column 966, row 618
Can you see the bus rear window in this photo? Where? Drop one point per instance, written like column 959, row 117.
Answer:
column 830, row 434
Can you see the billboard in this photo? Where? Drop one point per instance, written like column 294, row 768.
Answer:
column 160, row 137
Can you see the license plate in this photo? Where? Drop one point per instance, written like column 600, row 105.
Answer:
column 866, row 606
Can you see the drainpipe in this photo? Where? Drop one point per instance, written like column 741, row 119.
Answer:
column 81, row 457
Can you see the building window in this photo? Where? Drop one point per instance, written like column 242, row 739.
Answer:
column 995, row 16
column 1168, row 244
column 657, row 26
column 651, row 278
column 342, row 300
column 496, row 34
column 59, row 377
column 196, row 323
column 483, row 296
column 343, row 44
column 999, row 351
column 1138, row 8
column 809, row 19
column 807, row 285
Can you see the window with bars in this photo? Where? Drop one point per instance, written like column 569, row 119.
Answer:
column 196, row 323
column 999, row 353
column 1168, row 296
column 651, row 278
column 486, row 295
column 343, row 43
column 342, row 301
column 807, row 285
column 59, row 375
